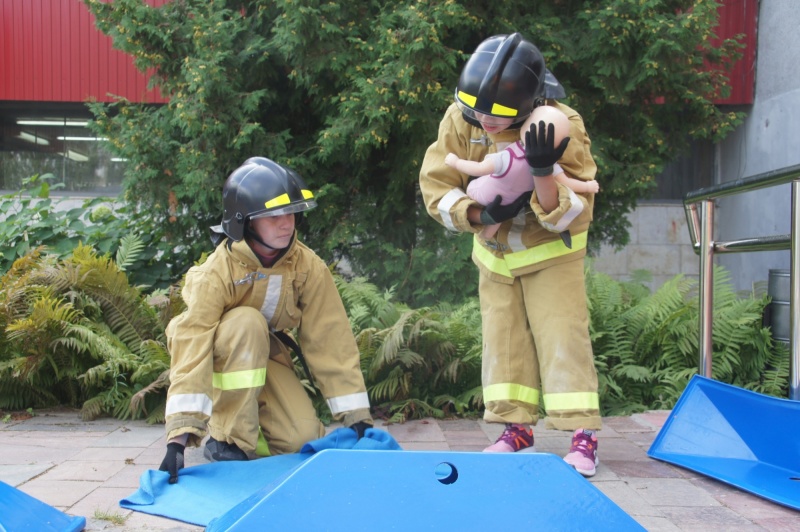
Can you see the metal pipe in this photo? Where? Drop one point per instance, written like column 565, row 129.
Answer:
column 764, row 243
column 693, row 223
column 767, row 179
column 701, row 232
column 706, row 285
column 794, row 298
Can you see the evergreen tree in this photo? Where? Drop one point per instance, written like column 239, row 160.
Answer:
column 350, row 94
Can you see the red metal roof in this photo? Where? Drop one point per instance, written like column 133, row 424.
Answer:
column 51, row 51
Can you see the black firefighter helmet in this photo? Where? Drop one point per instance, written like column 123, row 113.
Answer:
column 259, row 188
column 505, row 78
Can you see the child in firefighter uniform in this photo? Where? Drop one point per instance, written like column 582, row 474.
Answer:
column 536, row 346
column 231, row 374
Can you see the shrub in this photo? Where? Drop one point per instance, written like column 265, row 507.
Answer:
column 75, row 331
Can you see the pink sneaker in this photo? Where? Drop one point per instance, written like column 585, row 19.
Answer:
column 515, row 438
column 583, row 452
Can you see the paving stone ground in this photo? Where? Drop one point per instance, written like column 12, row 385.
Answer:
column 85, row 468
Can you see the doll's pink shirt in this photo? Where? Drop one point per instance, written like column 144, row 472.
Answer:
column 511, row 178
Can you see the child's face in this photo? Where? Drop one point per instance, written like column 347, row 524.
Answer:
column 277, row 231
column 493, row 124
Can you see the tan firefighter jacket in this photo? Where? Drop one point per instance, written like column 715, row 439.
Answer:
column 531, row 241
column 297, row 292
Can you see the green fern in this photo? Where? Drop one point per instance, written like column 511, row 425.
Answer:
column 130, row 248
column 77, row 333
column 646, row 345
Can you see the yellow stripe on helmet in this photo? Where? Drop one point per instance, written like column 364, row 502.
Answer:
column 307, row 194
column 502, row 110
column 467, row 99
column 283, row 199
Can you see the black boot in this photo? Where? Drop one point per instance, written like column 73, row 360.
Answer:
column 220, row 451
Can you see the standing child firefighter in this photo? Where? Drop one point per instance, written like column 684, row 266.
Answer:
column 231, row 374
column 536, row 346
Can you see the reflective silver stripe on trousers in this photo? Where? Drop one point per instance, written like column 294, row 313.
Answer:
column 515, row 233
column 189, row 402
column 576, row 207
column 274, row 285
column 446, row 203
column 345, row 403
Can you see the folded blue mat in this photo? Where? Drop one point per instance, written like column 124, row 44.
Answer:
column 207, row 491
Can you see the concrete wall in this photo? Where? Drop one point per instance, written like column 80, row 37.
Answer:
column 659, row 243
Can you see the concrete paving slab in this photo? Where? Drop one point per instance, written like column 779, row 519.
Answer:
column 57, row 459
column 102, row 501
column 708, row 518
column 85, row 470
column 61, row 494
column 426, row 431
column 14, row 475
column 627, row 498
column 131, row 437
column 672, row 492
column 108, row 453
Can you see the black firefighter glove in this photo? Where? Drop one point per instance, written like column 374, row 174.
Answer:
column 540, row 151
column 173, row 461
column 360, row 428
column 494, row 213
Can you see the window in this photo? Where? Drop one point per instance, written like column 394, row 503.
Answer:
column 31, row 143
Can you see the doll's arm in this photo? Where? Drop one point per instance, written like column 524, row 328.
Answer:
column 577, row 185
column 473, row 168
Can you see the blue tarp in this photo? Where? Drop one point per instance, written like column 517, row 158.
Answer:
column 207, row 491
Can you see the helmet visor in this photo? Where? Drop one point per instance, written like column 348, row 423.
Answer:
column 295, row 207
column 489, row 119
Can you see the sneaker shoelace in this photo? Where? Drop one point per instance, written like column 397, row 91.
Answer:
column 584, row 444
column 516, row 437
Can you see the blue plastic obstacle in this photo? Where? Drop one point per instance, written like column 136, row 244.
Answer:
column 420, row 490
column 19, row 511
column 736, row 436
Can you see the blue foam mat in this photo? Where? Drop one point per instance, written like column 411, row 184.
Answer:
column 736, row 436
column 19, row 511
column 421, row 490
column 207, row 491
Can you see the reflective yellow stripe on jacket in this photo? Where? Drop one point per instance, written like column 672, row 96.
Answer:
column 519, row 259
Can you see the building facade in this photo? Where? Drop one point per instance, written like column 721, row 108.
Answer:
column 52, row 61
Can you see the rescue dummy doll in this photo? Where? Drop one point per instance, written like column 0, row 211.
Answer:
column 507, row 173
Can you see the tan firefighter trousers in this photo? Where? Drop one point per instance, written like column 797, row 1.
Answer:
column 258, row 402
column 536, row 349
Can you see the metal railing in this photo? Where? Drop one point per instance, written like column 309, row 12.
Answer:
column 699, row 207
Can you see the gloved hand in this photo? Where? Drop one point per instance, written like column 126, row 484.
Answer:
column 494, row 213
column 173, row 461
column 540, row 151
column 360, row 428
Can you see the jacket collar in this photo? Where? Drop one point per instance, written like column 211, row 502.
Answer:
column 242, row 252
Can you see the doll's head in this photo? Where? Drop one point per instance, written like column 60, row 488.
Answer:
column 548, row 115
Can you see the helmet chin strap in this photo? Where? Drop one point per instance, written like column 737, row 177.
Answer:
column 252, row 234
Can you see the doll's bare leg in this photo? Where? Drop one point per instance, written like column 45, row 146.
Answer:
column 489, row 231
